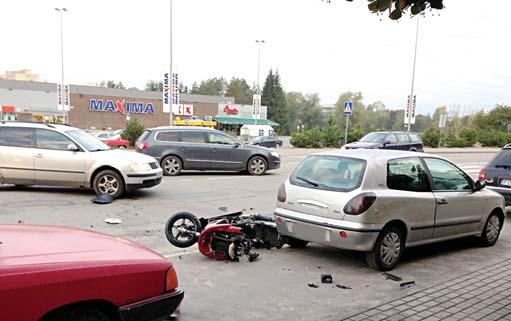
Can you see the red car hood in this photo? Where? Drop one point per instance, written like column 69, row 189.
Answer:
column 34, row 245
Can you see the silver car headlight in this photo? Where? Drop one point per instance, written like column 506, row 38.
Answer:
column 275, row 154
column 140, row 167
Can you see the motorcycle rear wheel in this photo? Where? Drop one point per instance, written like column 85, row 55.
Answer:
column 184, row 220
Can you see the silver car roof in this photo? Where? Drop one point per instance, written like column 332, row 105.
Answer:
column 61, row 128
column 375, row 154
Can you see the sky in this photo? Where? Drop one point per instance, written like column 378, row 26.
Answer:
column 463, row 55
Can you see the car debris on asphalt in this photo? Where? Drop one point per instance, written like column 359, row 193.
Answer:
column 392, row 277
column 111, row 220
column 343, row 287
column 327, row 278
column 407, row 285
column 103, row 199
column 312, row 285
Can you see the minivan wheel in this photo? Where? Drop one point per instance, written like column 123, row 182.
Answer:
column 171, row 166
column 257, row 165
column 491, row 231
column 108, row 182
column 387, row 250
column 296, row 243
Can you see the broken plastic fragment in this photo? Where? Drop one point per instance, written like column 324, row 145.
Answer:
column 392, row 277
column 111, row 220
column 312, row 285
column 326, row 278
column 343, row 287
column 406, row 285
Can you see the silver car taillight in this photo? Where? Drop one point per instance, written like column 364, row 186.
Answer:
column 360, row 203
column 281, row 196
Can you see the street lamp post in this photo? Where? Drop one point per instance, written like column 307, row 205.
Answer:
column 410, row 101
column 61, row 11
column 259, row 44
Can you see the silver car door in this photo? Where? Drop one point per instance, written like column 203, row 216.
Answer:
column 459, row 208
column 16, row 155
column 54, row 164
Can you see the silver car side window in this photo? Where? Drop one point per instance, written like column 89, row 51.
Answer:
column 16, row 137
column 407, row 174
column 446, row 176
column 47, row 139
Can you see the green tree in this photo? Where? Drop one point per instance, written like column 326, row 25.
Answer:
column 132, row 131
column 112, row 84
column 213, row 86
column 152, row 85
column 274, row 98
column 358, row 115
column 304, row 110
column 397, row 8
column 240, row 90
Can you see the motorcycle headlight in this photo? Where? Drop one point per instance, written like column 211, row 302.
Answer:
column 140, row 167
column 275, row 154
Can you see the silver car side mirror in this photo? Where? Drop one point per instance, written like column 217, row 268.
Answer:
column 72, row 148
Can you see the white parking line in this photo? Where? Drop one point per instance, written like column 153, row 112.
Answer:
column 186, row 180
column 221, row 178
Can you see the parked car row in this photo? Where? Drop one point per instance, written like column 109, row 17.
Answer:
column 112, row 139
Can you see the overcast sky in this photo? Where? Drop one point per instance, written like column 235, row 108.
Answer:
column 464, row 54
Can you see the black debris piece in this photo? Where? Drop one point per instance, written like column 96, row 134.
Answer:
column 406, row 285
column 103, row 199
column 312, row 285
column 343, row 287
column 223, row 209
column 326, row 278
column 392, row 277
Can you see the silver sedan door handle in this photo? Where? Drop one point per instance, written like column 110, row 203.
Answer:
column 39, row 155
column 442, row 201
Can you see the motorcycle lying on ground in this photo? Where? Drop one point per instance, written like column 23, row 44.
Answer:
column 224, row 237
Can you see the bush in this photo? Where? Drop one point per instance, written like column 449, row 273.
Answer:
column 311, row 138
column 132, row 131
column 469, row 135
column 431, row 137
column 354, row 135
column 493, row 138
column 330, row 136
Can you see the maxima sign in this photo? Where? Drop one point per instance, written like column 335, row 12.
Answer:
column 130, row 107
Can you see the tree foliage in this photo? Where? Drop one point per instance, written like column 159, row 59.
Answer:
column 397, row 8
column 213, row 86
column 132, row 131
column 240, row 90
column 112, row 84
column 303, row 111
column 274, row 98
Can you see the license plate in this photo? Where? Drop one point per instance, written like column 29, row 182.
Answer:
column 505, row 182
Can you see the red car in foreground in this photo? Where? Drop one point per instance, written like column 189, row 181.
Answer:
column 63, row 274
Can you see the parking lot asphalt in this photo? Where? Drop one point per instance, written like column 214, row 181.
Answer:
column 276, row 286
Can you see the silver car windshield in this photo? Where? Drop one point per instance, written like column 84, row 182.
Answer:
column 329, row 173
column 373, row 138
column 89, row 142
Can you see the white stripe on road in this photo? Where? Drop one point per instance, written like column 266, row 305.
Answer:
column 230, row 177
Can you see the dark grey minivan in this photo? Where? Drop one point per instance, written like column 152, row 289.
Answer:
column 180, row 148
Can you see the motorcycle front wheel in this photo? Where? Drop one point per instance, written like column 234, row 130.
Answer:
column 182, row 228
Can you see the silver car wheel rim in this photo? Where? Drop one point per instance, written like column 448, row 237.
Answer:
column 108, row 184
column 493, row 229
column 390, row 248
column 257, row 166
column 172, row 166
column 177, row 228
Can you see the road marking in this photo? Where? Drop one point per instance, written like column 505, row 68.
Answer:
column 186, row 180
column 221, row 178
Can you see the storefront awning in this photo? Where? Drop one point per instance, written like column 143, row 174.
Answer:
column 244, row 121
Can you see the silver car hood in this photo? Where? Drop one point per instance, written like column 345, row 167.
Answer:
column 132, row 157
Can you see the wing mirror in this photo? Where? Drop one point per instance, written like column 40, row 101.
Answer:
column 237, row 144
column 479, row 186
column 72, row 148
column 385, row 143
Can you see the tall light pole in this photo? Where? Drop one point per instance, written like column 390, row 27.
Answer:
column 61, row 11
column 259, row 44
column 410, row 101
column 171, row 74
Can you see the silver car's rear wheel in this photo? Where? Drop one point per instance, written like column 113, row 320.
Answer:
column 257, row 165
column 171, row 166
column 387, row 250
column 491, row 231
column 109, row 182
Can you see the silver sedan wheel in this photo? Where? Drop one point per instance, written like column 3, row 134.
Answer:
column 108, row 184
column 172, row 166
column 390, row 248
column 493, row 229
column 257, row 166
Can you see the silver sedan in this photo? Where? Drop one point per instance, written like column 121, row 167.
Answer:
column 380, row 202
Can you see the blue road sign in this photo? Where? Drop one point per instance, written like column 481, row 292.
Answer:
column 348, row 108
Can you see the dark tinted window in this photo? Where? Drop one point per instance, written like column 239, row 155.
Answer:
column 447, row 177
column 144, row 135
column 16, row 136
column 48, row 139
column 406, row 174
column 414, row 138
column 329, row 173
column 373, row 138
column 216, row 138
column 192, row 137
column 170, row 136
column 401, row 138
column 502, row 159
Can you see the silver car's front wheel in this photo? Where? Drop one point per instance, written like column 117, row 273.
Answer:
column 387, row 250
column 491, row 231
column 257, row 165
column 108, row 182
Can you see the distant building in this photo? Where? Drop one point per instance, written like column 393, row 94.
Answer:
column 328, row 109
column 23, row 75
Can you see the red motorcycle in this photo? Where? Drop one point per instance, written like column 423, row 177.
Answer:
column 224, row 237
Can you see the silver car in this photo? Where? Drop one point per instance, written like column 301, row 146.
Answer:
column 380, row 202
column 57, row 155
